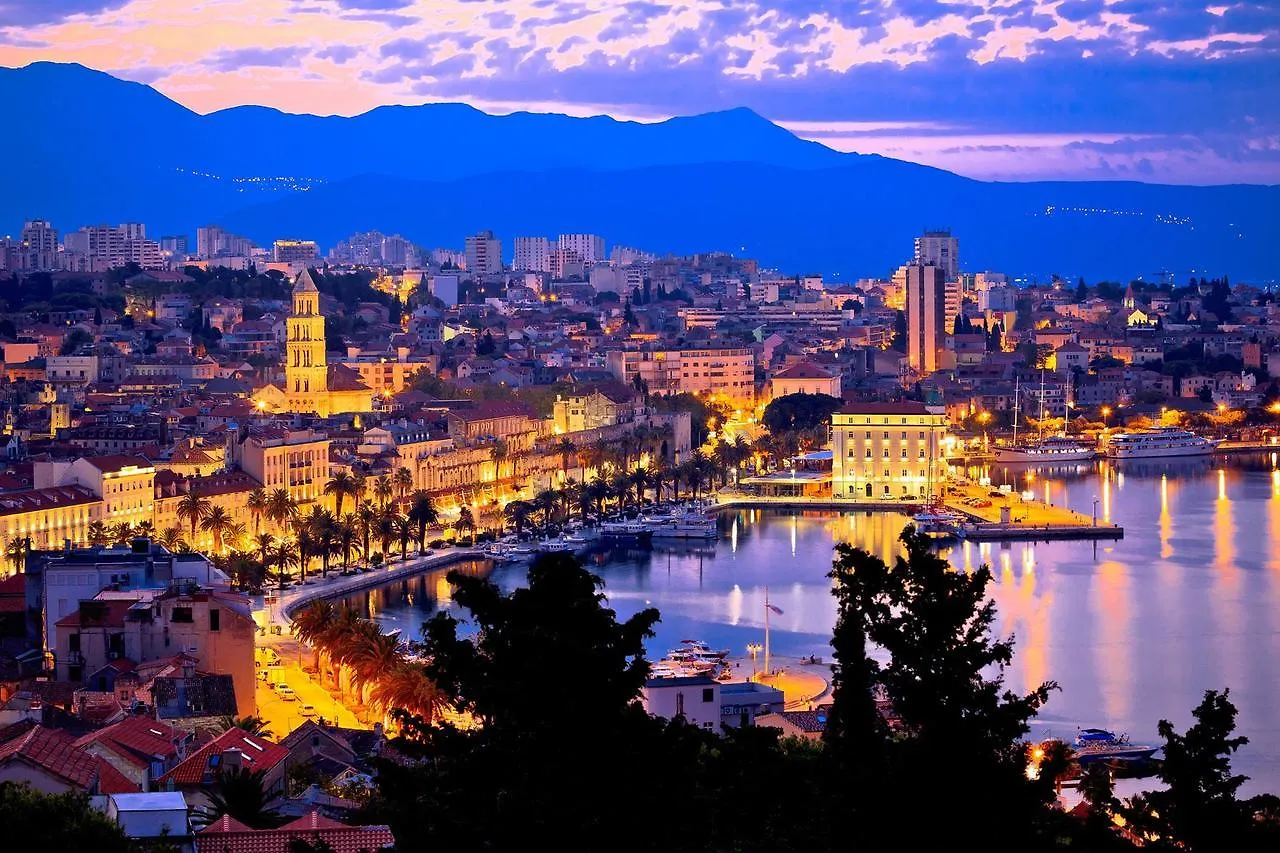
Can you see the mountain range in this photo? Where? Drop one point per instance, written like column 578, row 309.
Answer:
column 91, row 148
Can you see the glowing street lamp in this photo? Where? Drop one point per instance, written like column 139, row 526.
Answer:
column 1106, row 413
column 754, row 649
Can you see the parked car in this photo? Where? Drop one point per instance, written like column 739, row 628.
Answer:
column 286, row 692
column 307, row 710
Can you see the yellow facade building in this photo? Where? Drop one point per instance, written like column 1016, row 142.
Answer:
column 887, row 451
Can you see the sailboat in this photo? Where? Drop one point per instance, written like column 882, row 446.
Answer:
column 1043, row 451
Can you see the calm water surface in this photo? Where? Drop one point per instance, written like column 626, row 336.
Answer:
column 1133, row 631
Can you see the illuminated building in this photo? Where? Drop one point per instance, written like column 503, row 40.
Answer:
column 887, row 450
column 311, row 385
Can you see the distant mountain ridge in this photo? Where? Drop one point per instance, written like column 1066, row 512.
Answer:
column 93, row 148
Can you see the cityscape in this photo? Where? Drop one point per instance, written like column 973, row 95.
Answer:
column 492, row 520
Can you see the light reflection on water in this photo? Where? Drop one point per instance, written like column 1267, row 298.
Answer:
column 1133, row 631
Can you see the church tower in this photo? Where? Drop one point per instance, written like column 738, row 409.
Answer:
column 305, row 370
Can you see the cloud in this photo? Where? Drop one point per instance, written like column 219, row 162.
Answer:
column 233, row 59
column 339, row 53
column 374, row 5
column 27, row 13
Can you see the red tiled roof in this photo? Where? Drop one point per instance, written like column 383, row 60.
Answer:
column 114, row 610
column 112, row 781
column 343, row 378
column 338, row 836
column 56, row 753
column 259, row 754
column 15, row 503
column 116, row 461
column 137, row 739
column 803, row 370
column 906, row 408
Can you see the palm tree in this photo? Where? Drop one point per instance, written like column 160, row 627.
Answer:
column 466, row 522
column 97, row 533
column 144, row 529
column 345, row 533
column 337, row 633
column 281, row 509
column 340, row 486
column 385, row 529
column 404, row 532
column 372, row 655
column 640, row 479
column 306, row 550
column 193, row 507
column 216, row 521
column 257, row 505
column 598, row 491
column 246, row 573
column 498, row 455
column 546, row 502
column 382, row 491
column 620, row 487
column 235, row 535
column 423, row 513
column 263, row 542
column 517, row 515
column 403, row 481
column 321, row 525
column 240, row 793
column 16, row 553
column 407, row 686
column 170, row 537
column 311, row 623
column 121, row 533
column 567, row 450
column 285, row 556
column 252, row 725
column 365, row 519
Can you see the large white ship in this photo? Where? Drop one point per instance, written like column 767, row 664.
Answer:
column 1048, row 451
column 1159, row 441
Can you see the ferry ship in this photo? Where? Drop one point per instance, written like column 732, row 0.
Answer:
column 1157, row 442
column 1050, row 450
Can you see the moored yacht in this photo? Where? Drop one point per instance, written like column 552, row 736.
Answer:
column 1159, row 441
column 1058, row 448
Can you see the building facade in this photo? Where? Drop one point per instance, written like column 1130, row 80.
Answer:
column 728, row 372
column 533, row 254
column 310, row 384
column 484, row 253
column 887, row 451
column 926, row 304
column 939, row 249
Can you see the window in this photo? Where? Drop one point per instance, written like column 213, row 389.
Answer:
column 215, row 620
column 181, row 614
column 708, row 694
column 73, row 642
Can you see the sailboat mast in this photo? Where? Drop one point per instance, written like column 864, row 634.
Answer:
column 1016, row 381
column 1040, row 426
column 766, row 631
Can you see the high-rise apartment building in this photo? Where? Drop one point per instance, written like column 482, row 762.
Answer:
column 38, row 246
column 533, row 254
column 175, row 246
column 926, row 300
column 941, row 250
column 102, row 247
column 215, row 242
column 397, row 251
column 484, row 253
column 588, row 247
column 291, row 251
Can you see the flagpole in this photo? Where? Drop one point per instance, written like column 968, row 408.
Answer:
column 766, row 632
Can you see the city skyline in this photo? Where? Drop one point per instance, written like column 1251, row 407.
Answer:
column 1074, row 89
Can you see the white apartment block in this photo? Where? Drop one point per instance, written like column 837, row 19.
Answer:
column 887, row 451
column 533, row 254
column 101, row 247
column 588, row 247
column 38, row 246
column 727, row 372
column 215, row 242
column 939, row 249
column 484, row 253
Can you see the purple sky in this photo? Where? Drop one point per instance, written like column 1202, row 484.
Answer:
column 1181, row 91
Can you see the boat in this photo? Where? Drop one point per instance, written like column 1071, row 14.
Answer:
column 1101, row 745
column 692, row 658
column 554, row 546
column 1160, row 441
column 626, row 531
column 1058, row 448
column 937, row 523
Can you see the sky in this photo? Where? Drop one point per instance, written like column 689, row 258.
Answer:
column 1177, row 91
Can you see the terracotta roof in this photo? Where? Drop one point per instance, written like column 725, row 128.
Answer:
column 491, row 409
column 116, row 461
column 15, row 503
column 226, row 823
column 343, row 378
column 803, row 370
column 112, row 614
column 312, row 828
column 259, row 754
column 56, row 753
column 112, row 781
column 137, row 739
column 905, row 408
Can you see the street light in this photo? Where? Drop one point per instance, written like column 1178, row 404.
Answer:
column 754, row 649
column 1106, row 413
column 1095, row 512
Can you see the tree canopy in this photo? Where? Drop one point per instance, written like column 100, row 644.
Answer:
column 799, row 412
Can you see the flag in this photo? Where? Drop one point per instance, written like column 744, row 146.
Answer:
column 774, row 608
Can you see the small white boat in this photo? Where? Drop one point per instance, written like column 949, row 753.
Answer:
column 938, row 524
